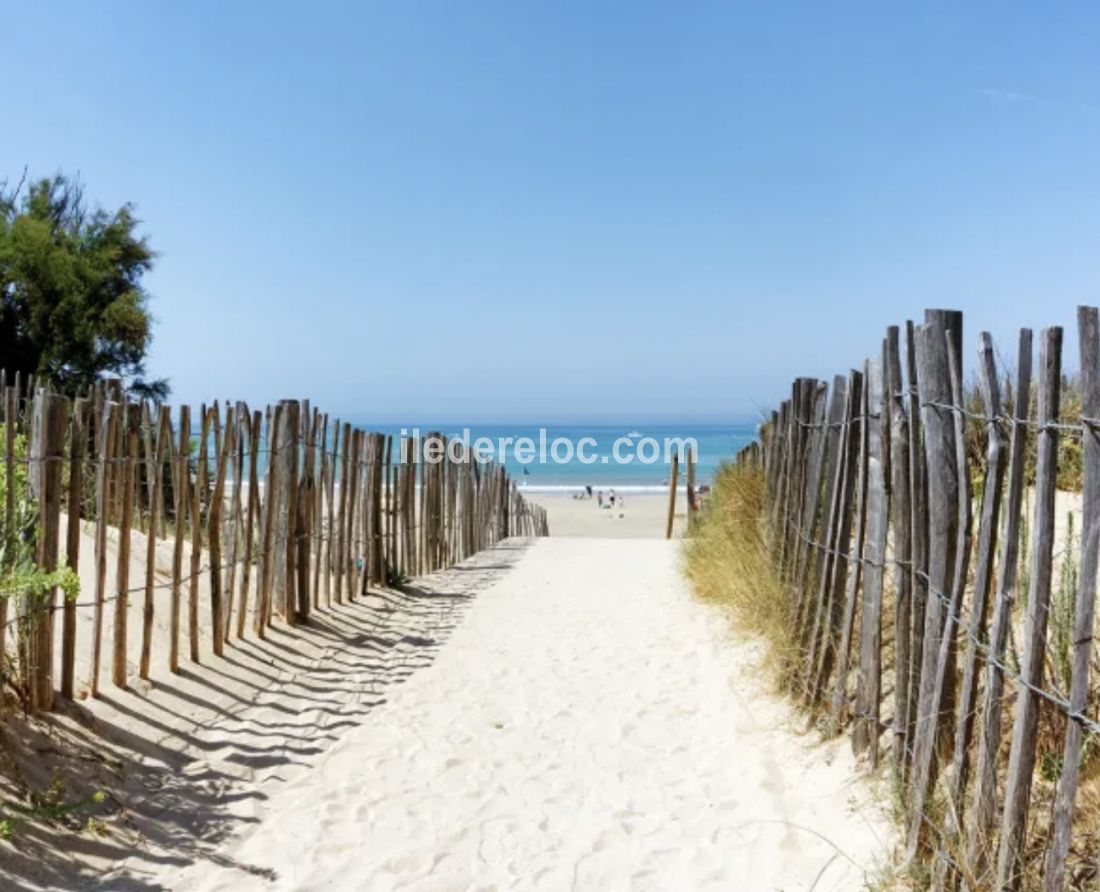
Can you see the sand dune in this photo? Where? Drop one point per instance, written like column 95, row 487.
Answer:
column 587, row 726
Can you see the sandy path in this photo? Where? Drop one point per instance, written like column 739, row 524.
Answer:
column 643, row 516
column 588, row 726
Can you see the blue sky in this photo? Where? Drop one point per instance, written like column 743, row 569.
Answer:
column 570, row 210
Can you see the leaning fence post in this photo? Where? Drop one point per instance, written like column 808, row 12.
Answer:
column 819, row 560
column 672, row 493
column 53, row 413
column 689, row 488
column 182, row 480
column 865, row 731
column 72, row 543
column 846, row 623
column 1088, row 325
column 983, row 575
column 108, row 436
column 11, row 412
column 918, row 533
column 156, row 450
column 222, row 458
column 900, row 497
column 989, row 735
column 934, row 386
column 1021, row 760
column 122, row 573
column 835, row 569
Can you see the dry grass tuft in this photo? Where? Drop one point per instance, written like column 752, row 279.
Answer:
column 728, row 562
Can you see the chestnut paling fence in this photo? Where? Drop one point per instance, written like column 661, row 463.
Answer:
column 269, row 516
column 914, row 528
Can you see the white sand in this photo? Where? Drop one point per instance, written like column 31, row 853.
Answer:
column 589, row 725
column 644, row 516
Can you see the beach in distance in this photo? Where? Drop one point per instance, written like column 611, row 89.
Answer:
column 641, row 516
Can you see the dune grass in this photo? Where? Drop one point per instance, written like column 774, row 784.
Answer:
column 728, row 562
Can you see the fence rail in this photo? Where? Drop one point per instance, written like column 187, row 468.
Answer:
column 875, row 474
column 270, row 514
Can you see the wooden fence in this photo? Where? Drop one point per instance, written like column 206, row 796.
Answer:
column 884, row 470
column 269, row 514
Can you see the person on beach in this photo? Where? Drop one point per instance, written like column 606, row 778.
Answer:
column 599, row 498
column 612, row 495
column 588, row 489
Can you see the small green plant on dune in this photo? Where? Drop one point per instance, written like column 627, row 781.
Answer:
column 395, row 577
column 1064, row 612
column 22, row 582
column 50, row 806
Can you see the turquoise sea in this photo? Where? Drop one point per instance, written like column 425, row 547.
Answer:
column 715, row 442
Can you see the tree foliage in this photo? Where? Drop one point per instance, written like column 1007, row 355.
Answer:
column 72, row 305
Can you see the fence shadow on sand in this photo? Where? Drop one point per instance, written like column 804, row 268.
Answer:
column 186, row 759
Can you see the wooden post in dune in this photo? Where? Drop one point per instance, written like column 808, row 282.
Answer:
column 843, row 621
column 330, row 492
column 340, row 561
column 164, row 434
column 1088, row 323
column 52, row 412
column 292, row 423
column 317, row 509
column 268, row 556
column 690, row 488
column 935, row 391
column 182, row 486
column 979, row 609
column 107, row 447
column 11, row 412
column 868, row 692
column 198, row 493
column 984, row 799
column 306, row 499
column 1021, row 760
column 900, row 514
column 122, row 573
column 674, row 472
column 253, row 428
column 235, row 470
column 222, row 458
column 72, row 544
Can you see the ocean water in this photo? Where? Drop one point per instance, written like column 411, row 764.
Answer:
column 715, row 443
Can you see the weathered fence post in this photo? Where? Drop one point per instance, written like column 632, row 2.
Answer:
column 182, row 477
column 900, row 508
column 1088, row 325
column 164, row 435
column 107, row 448
column 77, row 445
column 989, row 736
column 673, row 472
column 827, row 623
column 934, row 388
column 987, row 543
column 1021, row 760
column 52, row 411
column 131, row 421
column 855, row 574
column 866, row 728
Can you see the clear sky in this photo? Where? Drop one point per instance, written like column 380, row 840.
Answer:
column 482, row 211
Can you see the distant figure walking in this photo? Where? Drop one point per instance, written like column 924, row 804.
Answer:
column 599, row 498
column 588, row 489
column 612, row 497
